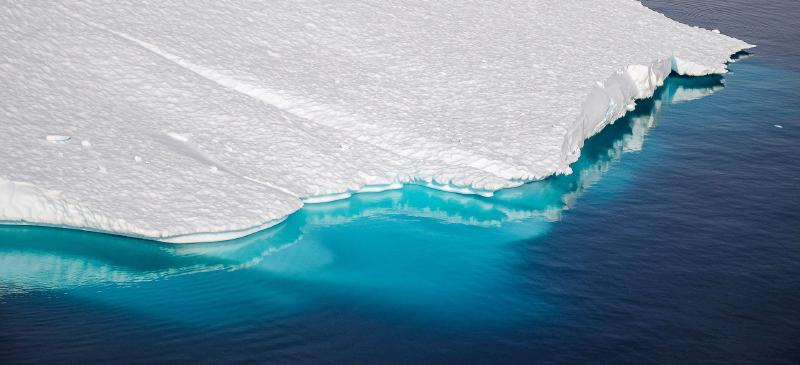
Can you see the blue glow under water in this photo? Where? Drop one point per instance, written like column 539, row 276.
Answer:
column 676, row 240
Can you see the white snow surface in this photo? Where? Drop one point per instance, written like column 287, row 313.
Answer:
column 210, row 120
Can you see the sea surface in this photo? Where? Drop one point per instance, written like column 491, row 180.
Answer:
column 675, row 241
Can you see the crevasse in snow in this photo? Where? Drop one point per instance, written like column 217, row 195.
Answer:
column 203, row 121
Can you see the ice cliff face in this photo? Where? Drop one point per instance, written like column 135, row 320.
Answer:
column 203, row 120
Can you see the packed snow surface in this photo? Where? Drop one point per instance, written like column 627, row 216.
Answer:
column 205, row 120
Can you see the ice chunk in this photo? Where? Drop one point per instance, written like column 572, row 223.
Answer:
column 311, row 102
column 57, row 138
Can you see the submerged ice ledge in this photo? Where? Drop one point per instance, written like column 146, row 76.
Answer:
column 170, row 138
column 29, row 260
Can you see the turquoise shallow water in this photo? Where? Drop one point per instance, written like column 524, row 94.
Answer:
column 676, row 240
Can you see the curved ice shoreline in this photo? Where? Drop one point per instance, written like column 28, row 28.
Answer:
column 449, row 166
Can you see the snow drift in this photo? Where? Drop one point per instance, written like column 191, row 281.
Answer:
column 202, row 121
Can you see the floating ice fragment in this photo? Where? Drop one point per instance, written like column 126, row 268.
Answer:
column 86, row 143
column 178, row 137
column 57, row 138
column 137, row 158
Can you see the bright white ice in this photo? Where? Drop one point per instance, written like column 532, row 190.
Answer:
column 204, row 120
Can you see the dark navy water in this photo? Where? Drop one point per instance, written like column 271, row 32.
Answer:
column 676, row 240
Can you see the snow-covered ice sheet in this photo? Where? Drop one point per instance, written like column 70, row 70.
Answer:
column 203, row 120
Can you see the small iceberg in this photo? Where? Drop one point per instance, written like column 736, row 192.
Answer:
column 57, row 138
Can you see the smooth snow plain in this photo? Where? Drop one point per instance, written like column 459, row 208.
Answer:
column 206, row 121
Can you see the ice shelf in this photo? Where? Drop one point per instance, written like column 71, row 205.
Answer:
column 204, row 120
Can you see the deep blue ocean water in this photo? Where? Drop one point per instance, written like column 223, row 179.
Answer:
column 676, row 240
